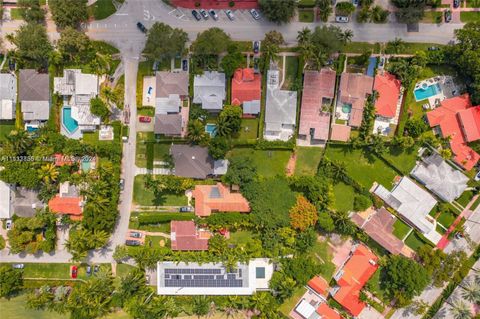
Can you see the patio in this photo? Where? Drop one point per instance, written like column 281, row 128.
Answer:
column 446, row 89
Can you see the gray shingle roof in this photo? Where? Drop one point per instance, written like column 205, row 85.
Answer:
column 171, row 83
column 168, row 124
column 192, row 161
column 34, row 86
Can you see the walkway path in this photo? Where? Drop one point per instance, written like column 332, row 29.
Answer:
column 155, row 171
column 464, row 214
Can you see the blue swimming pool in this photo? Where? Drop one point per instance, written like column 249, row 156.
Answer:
column 86, row 166
column 210, row 128
column 68, row 122
column 372, row 63
column 347, row 108
column 424, row 93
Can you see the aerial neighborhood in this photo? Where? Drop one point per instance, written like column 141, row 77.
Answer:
column 240, row 159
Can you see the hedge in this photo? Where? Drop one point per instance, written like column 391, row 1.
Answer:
column 160, row 218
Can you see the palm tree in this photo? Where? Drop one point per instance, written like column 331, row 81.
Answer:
column 19, row 140
column 304, row 36
column 196, row 132
column 396, row 45
column 269, row 53
column 201, row 306
column 346, row 36
column 48, row 173
column 461, row 310
column 108, row 95
column 471, row 292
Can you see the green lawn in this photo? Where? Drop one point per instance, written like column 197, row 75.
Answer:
column 142, row 196
column 307, row 160
column 322, row 254
column 56, row 270
column 16, row 13
column 414, row 241
column 141, row 148
column 104, row 47
column 404, row 160
column 473, row 3
column 154, row 241
column 124, row 269
column 364, row 167
column 373, row 285
column 475, row 204
column 240, row 237
column 5, row 128
column 249, row 129
column 289, row 303
column 446, row 218
column 360, row 47
column 306, row 15
column 465, row 198
column 472, row 16
column 268, row 163
column 306, row 3
column 400, row 229
column 101, row 9
column 344, row 197
column 91, row 138
column 432, row 17
column 291, row 71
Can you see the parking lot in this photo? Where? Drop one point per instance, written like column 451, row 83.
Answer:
column 239, row 15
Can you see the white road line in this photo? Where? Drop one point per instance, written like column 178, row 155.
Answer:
column 172, row 11
column 121, row 14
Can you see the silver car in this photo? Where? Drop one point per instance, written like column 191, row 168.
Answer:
column 255, row 14
column 230, row 14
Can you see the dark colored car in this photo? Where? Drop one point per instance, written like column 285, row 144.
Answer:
column 448, row 16
column 73, row 272
column 196, row 15
column 122, row 184
column 131, row 242
column 256, row 47
column 213, row 14
column 186, row 209
column 204, row 14
column 185, row 65
column 456, row 3
column 96, row 268
column 135, row 234
column 141, row 27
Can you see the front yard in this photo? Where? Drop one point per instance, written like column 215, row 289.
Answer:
column 5, row 128
column 414, row 241
column 145, row 197
column 307, row 160
column 291, row 71
column 269, row 163
column 469, row 16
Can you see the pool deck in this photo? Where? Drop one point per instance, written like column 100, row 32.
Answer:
column 448, row 89
column 75, row 135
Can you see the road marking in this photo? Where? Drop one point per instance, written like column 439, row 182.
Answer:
column 172, row 11
column 181, row 16
column 121, row 14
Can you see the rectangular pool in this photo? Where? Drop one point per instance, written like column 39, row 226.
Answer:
column 425, row 93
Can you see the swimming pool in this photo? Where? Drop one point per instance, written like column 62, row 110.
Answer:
column 68, row 122
column 372, row 63
column 210, row 128
column 86, row 165
column 346, row 108
column 424, row 93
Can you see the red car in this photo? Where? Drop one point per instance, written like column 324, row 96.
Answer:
column 145, row 119
column 73, row 272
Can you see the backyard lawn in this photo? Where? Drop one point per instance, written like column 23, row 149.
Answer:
column 240, row 237
column 56, row 270
column 470, row 16
column 344, row 197
column 145, row 197
column 446, row 218
column 291, row 71
column 400, row 229
column 249, row 129
column 364, row 167
column 414, row 241
column 307, row 160
column 403, row 160
column 16, row 13
column 5, row 128
column 373, row 285
column 322, row 254
column 465, row 198
column 268, row 163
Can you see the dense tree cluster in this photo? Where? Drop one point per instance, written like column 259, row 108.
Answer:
column 208, row 46
column 278, row 11
column 68, row 13
column 11, row 281
column 165, row 42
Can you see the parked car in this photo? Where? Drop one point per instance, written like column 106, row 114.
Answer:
column 147, row 279
column 186, row 209
column 89, row 270
column 18, row 266
column 196, row 15
column 381, row 64
column 73, row 272
column 433, row 48
column 122, row 184
column 456, row 3
column 8, row 224
column 96, row 268
column 135, row 234
column 477, row 177
column 230, row 15
column 131, row 242
column 145, row 119
column 204, row 14
column 256, row 47
column 341, row 19
column 185, row 65
column 448, row 16
column 355, row 3
column 213, row 14
column 458, row 235
column 255, row 14
column 141, row 27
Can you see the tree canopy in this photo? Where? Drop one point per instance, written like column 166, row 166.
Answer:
column 75, row 46
column 409, row 11
column 209, row 45
column 11, row 281
column 278, row 11
column 68, row 13
column 303, row 215
column 33, row 45
column 165, row 42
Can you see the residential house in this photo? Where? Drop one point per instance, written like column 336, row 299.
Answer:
column 247, row 90
column 34, row 96
column 6, row 210
column 280, row 110
column 209, row 90
column 457, row 119
column 317, row 98
column 440, row 178
column 352, row 95
column 196, row 162
column 414, row 204
column 25, row 202
column 388, row 103
column 68, row 201
column 8, row 96
column 186, row 236
column 351, row 278
column 218, row 198
column 378, row 224
column 171, row 91
column 77, row 89
column 179, row 278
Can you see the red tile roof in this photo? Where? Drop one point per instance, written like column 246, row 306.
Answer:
column 66, row 205
column 185, row 236
column 319, row 285
column 317, row 86
column 388, row 88
column 246, row 86
column 354, row 275
column 327, row 313
column 61, row 160
column 458, row 119
column 218, row 197
column 354, row 89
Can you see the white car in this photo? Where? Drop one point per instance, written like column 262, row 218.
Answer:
column 341, row 19
column 230, row 15
column 255, row 14
column 8, row 224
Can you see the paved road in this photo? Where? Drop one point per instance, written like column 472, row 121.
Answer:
column 120, row 28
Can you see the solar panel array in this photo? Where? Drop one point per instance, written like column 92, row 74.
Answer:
column 202, row 277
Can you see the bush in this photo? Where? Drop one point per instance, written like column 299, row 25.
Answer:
column 361, row 203
column 160, row 218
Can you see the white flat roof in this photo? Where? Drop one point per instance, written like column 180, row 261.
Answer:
column 5, row 201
